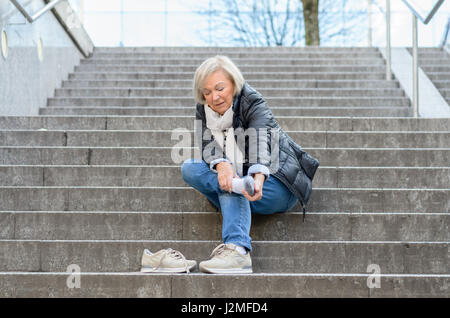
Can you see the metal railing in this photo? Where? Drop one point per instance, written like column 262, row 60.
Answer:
column 444, row 38
column 37, row 15
column 417, row 13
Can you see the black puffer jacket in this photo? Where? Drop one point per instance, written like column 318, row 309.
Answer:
column 295, row 168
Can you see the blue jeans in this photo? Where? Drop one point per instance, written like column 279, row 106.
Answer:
column 236, row 209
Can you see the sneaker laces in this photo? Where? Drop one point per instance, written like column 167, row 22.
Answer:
column 173, row 254
column 221, row 250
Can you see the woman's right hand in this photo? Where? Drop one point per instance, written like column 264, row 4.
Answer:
column 225, row 174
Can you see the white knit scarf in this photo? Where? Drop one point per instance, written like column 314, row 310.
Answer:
column 221, row 126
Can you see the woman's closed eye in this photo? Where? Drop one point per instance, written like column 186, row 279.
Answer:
column 207, row 92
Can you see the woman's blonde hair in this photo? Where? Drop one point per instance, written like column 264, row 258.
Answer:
column 209, row 66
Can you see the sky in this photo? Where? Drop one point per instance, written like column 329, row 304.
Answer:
column 173, row 23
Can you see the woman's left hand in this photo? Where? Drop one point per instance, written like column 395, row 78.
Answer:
column 259, row 182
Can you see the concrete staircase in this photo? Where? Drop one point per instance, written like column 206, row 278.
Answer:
column 435, row 62
column 91, row 182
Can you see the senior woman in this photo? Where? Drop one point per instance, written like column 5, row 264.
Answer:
column 226, row 105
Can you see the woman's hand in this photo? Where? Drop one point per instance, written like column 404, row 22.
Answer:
column 225, row 174
column 259, row 182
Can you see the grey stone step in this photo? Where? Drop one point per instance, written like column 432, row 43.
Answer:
column 300, row 123
column 429, row 49
column 257, row 84
column 69, row 225
column 442, row 84
column 349, row 157
column 189, row 200
column 267, row 92
column 239, row 55
column 436, row 68
column 169, row 138
column 61, row 122
column 434, row 61
column 267, row 256
column 249, row 76
column 245, row 69
column 432, row 56
column 379, row 111
column 170, row 176
column 53, row 122
column 445, row 93
column 438, row 76
column 240, row 62
column 127, row 285
column 275, row 101
column 216, row 50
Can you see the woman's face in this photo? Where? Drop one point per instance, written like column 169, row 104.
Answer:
column 218, row 92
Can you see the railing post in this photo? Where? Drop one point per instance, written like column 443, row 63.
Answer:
column 388, row 40
column 122, row 18
column 81, row 11
column 415, row 68
column 444, row 38
column 369, row 18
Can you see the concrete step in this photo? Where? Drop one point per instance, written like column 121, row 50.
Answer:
column 432, row 56
column 438, row 76
column 62, row 122
column 240, row 62
column 187, row 199
column 249, row 76
column 132, row 285
column 257, row 84
column 340, row 157
column 434, row 61
column 267, row 92
column 245, row 69
column 267, row 256
column 429, row 49
column 436, row 68
column 275, row 101
column 339, row 226
column 442, row 84
column 445, row 93
column 170, row 176
column 247, row 50
column 240, row 55
column 99, row 207
column 170, row 138
column 53, row 122
column 379, row 111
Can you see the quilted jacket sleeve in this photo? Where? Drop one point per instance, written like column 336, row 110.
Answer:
column 259, row 124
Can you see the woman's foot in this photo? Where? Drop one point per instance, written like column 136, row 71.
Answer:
column 247, row 183
column 227, row 260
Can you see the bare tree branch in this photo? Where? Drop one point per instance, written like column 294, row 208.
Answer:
column 281, row 22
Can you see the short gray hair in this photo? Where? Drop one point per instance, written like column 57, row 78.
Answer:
column 209, row 66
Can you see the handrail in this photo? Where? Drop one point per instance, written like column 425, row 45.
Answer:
column 444, row 38
column 425, row 17
column 416, row 10
column 38, row 14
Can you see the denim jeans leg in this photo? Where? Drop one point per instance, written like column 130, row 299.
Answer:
column 276, row 198
column 236, row 222
column 198, row 175
column 235, row 208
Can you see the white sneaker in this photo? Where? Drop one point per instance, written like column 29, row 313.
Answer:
column 227, row 260
column 165, row 261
